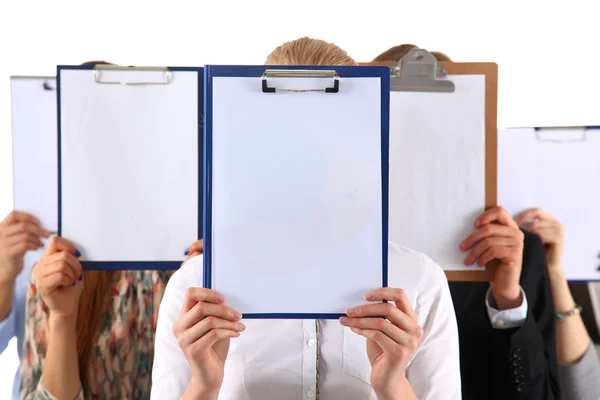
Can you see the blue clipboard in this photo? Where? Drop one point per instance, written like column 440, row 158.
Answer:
column 213, row 71
column 141, row 264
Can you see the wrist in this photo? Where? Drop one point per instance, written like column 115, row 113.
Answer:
column 403, row 391
column 196, row 391
column 6, row 299
column 508, row 299
column 58, row 322
column 556, row 273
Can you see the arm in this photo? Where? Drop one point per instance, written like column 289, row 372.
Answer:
column 171, row 373
column 7, row 314
column 572, row 339
column 433, row 377
column 39, row 350
column 524, row 358
column 581, row 381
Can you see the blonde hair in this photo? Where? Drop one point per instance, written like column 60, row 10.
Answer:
column 397, row 52
column 307, row 51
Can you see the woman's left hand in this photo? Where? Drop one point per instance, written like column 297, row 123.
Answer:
column 393, row 334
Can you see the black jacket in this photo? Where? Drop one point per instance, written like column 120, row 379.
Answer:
column 507, row 364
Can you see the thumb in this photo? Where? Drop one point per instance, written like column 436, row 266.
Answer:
column 58, row 243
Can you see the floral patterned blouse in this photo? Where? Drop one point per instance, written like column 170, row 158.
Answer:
column 121, row 361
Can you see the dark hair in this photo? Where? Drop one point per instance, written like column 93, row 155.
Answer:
column 397, row 52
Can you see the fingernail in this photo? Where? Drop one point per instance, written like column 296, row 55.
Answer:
column 477, row 223
column 81, row 277
column 237, row 315
column 220, row 299
column 368, row 296
column 350, row 311
column 344, row 320
column 77, row 253
column 186, row 252
column 242, row 326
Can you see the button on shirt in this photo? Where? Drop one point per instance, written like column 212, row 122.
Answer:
column 277, row 359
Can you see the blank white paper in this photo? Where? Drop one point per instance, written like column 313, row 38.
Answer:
column 35, row 141
column 561, row 178
column 437, row 169
column 296, row 195
column 129, row 164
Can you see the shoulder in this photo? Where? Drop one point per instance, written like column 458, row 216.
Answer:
column 189, row 275
column 414, row 272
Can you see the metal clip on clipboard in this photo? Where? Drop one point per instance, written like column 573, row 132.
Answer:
column 581, row 137
column 419, row 71
column 300, row 73
column 47, row 86
column 167, row 75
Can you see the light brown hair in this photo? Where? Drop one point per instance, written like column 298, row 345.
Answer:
column 307, row 51
column 397, row 52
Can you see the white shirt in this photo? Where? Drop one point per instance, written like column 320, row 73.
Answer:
column 276, row 359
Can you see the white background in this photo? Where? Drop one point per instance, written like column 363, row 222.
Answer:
column 546, row 50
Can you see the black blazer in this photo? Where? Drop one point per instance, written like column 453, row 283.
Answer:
column 507, row 364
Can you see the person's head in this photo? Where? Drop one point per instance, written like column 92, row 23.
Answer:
column 397, row 52
column 307, row 51
column 94, row 63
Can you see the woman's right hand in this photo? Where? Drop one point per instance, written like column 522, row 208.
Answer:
column 58, row 278
column 203, row 331
column 549, row 230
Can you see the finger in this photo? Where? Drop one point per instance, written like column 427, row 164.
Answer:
column 487, row 231
column 63, row 261
column 199, row 330
column 384, row 311
column 548, row 234
column 203, row 310
column 21, row 227
column 196, row 247
column 58, row 243
column 488, row 243
column 382, row 340
column 52, row 282
column 194, row 295
column 534, row 213
column 394, row 332
column 216, row 335
column 496, row 214
column 397, row 295
column 25, row 238
column 17, row 216
column 497, row 253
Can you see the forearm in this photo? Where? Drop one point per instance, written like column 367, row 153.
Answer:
column 404, row 392
column 572, row 339
column 60, row 375
column 195, row 391
column 7, row 290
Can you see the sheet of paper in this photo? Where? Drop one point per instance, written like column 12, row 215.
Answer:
column 296, row 196
column 35, row 170
column 129, row 165
column 557, row 172
column 437, row 169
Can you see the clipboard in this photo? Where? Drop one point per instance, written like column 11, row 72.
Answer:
column 419, row 80
column 289, row 233
column 33, row 116
column 555, row 168
column 130, row 164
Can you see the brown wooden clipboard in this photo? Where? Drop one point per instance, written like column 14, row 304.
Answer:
column 490, row 70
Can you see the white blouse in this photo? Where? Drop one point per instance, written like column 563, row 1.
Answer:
column 277, row 359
